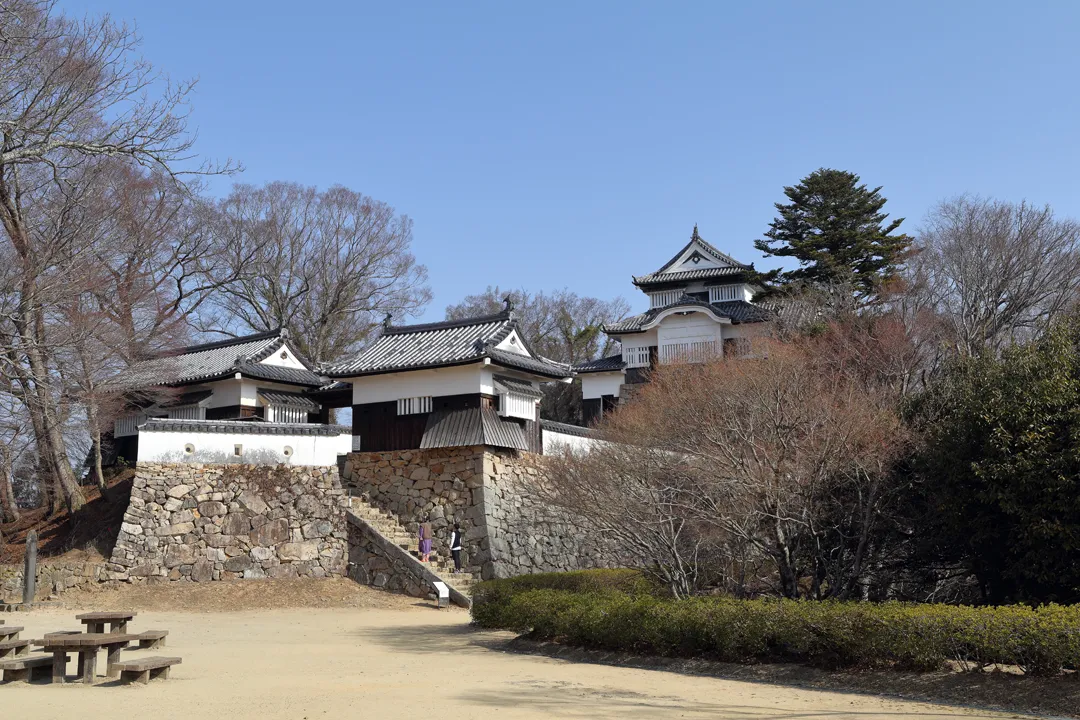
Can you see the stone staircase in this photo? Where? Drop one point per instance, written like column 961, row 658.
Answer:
column 390, row 528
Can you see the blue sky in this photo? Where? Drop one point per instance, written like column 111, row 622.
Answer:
column 572, row 144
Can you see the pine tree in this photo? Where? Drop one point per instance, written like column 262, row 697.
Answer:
column 835, row 228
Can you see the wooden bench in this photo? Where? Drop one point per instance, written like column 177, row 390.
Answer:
column 95, row 621
column 13, row 648
column 152, row 639
column 10, row 633
column 143, row 669
column 27, row 667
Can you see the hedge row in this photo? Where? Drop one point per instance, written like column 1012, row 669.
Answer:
column 1040, row 641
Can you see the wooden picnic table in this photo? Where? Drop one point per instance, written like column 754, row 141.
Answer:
column 87, row 646
column 95, row 621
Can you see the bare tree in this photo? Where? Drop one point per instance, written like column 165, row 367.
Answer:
column 785, row 458
column 71, row 94
column 327, row 265
column 996, row 272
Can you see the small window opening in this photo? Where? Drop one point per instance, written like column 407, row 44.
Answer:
column 238, row 450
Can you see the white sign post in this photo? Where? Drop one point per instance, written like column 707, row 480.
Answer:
column 444, row 594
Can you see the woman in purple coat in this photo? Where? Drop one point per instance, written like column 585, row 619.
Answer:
column 425, row 541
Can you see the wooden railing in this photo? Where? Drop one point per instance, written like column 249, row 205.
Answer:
column 723, row 293
column 662, row 299
column 636, row 357
column 689, row 352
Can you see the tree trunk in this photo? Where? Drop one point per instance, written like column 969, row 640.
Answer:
column 95, row 448
column 9, row 511
column 46, row 424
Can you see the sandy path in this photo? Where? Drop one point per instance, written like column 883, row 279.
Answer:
column 406, row 663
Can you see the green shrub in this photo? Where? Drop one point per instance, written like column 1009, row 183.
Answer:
column 623, row 611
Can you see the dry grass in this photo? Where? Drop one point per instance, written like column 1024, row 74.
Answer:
column 237, row 596
column 91, row 532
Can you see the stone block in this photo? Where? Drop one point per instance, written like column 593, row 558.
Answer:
column 317, row 529
column 202, row 571
column 298, row 551
column 282, row 571
column 235, row 524
column 272, row 533
column 179, row 491
column 240, row 563
column 216, row 540
column 261, row 554
column 253, row 502
column 212, row 509
column 310, row 506
column 176, row 555
column 178, row 529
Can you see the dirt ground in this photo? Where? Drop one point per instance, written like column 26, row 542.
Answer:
column 307, row 650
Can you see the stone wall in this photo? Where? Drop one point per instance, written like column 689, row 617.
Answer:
column 376, row 561
column 213, row 522
column 509, row 530
column 413, row 484
column 53, row 577
column 525, row 534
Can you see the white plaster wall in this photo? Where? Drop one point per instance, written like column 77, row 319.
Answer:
column 694, row 327
column 554, row 443
column 513, row 343
column 249, row 390
column 276, row 359
column 596, row 385
column 458, row 380
column 168, row 446
column 642, row 339
column 226, row 392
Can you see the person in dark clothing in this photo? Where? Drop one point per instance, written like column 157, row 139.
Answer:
column 455, row 547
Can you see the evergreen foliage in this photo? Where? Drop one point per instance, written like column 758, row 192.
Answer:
column 834, row 226
column 1001, row 469
column 1040, row 641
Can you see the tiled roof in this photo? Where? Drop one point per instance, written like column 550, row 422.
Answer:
column 566, row 429
column 212, row 361
column 292, row 400
column 738, row 311
column 277, row 373
column 605, row 364
column 688, row 275
column 471, row 426
column 242, row 427
column 734, row 267
column 537, row 364
column 454, row 342
column 189, row 398
column 514, row 385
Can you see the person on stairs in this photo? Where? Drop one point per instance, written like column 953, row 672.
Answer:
column 425, row 541
column 455, row 547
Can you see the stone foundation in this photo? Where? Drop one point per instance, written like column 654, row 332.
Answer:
column 215, row 522
column 493, row 494
column 378, row 562
column 53, row 578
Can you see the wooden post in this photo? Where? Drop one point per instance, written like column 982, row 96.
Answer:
column 30, row 568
